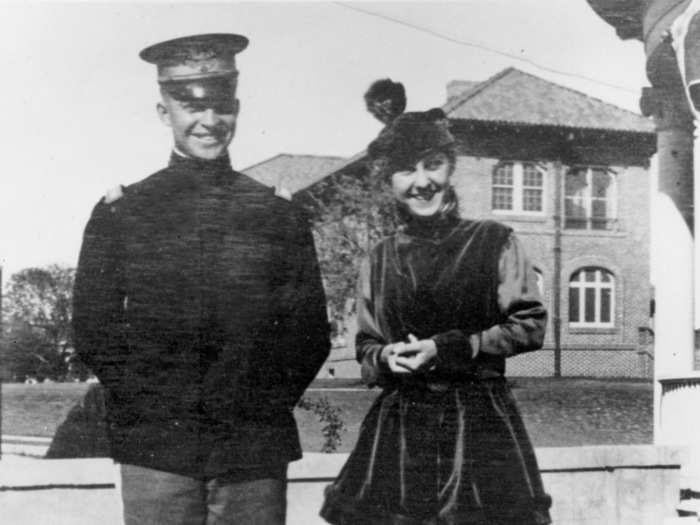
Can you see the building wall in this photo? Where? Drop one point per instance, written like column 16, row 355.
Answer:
column 624, row 250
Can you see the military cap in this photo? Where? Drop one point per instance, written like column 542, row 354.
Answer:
column 198, row 66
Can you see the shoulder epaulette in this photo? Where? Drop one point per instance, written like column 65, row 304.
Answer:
column 284, row 193
column 114, row 194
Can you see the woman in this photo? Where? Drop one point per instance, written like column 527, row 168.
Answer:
column 441, row 304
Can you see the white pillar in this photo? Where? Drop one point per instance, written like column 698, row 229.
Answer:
column 672, row 251
column 696, row 219
column 672, row 244
column 676, row 384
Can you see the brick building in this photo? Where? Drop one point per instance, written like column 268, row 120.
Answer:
column 570, row 174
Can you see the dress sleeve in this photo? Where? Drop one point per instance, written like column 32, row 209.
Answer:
column 521, row 306
column 369, row 341
column 98, row 298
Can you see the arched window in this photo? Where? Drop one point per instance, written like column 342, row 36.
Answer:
column 592, row 298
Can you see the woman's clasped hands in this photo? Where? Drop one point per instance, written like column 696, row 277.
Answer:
column 410, row 357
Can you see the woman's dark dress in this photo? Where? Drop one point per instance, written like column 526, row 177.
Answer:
column 448, row 446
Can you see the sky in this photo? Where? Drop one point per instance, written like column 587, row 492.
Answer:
column 78, row 105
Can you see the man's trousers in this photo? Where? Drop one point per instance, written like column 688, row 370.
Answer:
column 254, row 497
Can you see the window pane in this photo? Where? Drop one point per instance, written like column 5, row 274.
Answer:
column 574, row 213
column 532, row 200
column 602, row 184
column 573, row 207
column 589, row 305
column 531, row 176
column 605, row 305
column 503, row 174
column 573, row 305
column 601, row 224
column 605, row 276
column 575, row 183
column 502, row 199
column 574, row 223
column 599, row 208
column 589, row 276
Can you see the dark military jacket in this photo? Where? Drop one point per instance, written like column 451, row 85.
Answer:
column 198, row 304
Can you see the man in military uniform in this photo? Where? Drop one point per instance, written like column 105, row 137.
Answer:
column 199, row 306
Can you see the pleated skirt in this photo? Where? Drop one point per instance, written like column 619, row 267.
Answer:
column 442, row 454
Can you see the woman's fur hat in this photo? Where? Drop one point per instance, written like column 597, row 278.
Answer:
column 410, row 137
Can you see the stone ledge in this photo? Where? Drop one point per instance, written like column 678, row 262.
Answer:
column 18, row 471
column 686, row 377
column 550, row 459
column 616, row 485
column 610, row 457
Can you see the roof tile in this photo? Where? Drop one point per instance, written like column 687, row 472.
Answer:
column 293, row 172
column 513, row 96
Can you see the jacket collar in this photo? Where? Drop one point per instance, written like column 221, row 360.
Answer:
column 219, row 165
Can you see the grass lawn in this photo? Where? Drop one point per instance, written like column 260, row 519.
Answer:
column 557, row 412
column 37, row 410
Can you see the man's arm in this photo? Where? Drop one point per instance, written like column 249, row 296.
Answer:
column 98, row 298
column 304, row 329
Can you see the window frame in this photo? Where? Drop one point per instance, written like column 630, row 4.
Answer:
column 518, row 187
column 539, row 280
column 588, row 199
column 598, row 285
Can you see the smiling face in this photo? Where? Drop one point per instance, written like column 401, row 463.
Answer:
column 421, row 189
column 203, row 128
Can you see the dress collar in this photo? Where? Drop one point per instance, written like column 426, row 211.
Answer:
column 433, row 229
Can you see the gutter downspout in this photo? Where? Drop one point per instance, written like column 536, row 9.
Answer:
column 556, row 277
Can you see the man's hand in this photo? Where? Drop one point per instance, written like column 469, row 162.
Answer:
column 389, row 355
column 416, row 356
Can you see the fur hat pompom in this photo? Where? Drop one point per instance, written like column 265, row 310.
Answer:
column 386, row 100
